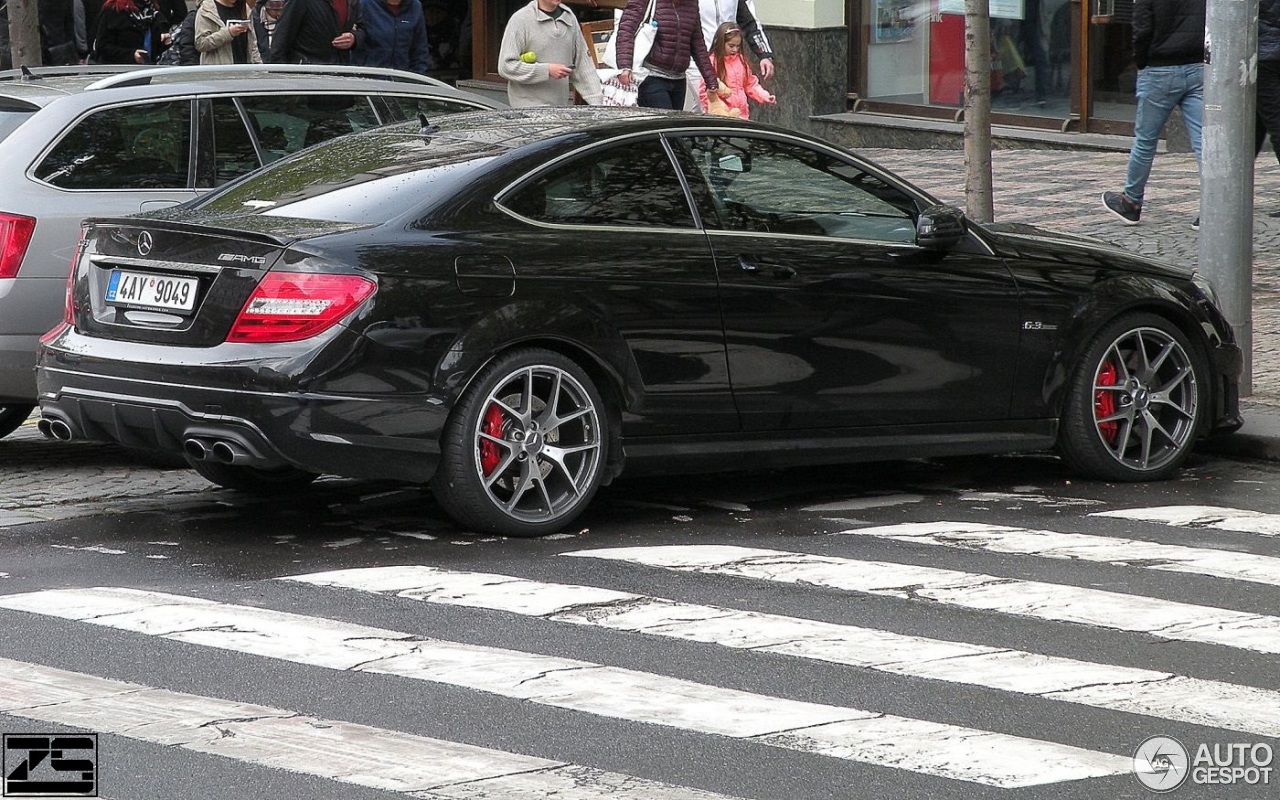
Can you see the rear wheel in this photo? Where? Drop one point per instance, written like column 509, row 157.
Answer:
column 252, row 480
column 1136, row 401
column 523, row 451
column 11, row 417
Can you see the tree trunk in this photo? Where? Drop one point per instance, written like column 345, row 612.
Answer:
column 978, row 201
column 24, row 33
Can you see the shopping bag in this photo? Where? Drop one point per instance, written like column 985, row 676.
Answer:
column 645, row 35
column 613, row 93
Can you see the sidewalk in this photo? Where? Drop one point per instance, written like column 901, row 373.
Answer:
column 1062, row 190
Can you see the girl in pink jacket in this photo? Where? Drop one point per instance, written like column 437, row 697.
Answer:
column 734, row 72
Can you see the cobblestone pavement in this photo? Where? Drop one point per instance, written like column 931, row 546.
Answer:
column 1062, row 190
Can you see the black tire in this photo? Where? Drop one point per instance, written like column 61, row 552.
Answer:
column 13, row 416
column 252, row 480
column 1136, row 402
column 525, row 447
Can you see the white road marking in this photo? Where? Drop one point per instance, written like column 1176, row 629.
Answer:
column 1019, row 497
column 860, row 503
column 1105, row 686
column 1215, row 517
column 1103, row 549
column 916, row 745
column 432, row 769
column 1046, row 601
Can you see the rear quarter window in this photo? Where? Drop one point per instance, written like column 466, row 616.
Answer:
column 141, row 146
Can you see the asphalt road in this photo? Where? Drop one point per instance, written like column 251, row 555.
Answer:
column 963, row 628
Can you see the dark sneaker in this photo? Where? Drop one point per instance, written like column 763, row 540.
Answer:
column 1124, row 208
column 1195, row 224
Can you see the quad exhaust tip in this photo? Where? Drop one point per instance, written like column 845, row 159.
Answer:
column 220, row 450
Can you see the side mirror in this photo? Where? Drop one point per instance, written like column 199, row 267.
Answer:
column 731, row 164
column 939, row 227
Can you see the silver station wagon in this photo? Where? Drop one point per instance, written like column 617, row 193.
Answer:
column 77, row 142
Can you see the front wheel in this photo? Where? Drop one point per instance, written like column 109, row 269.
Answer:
column 524, row 449
column 1135, row 403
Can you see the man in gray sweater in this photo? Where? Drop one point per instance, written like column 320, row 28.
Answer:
column 543, row 53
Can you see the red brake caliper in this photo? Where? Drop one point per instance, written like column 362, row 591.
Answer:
column 490, row 453
column 1104, row 402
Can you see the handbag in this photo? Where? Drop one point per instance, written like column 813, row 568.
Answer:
column 645, row 35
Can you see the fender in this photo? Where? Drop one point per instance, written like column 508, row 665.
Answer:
column 1109, row 299
column 572, row 329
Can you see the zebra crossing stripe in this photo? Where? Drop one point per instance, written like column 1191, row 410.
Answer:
column 1110, row 687
column 1219, row 518
column 431, row 769
column 1037, row 600
column 947, row 751
column 1104, row 549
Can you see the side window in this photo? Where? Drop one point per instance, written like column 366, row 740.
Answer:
column 410, row 107
column 285, row 124
column 233, row 153
column 761, row 185
column 632, row 184
column 143, row 146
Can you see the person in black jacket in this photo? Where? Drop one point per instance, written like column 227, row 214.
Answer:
column 317, row 32
column 129, row 32
column 57, row 33
column 266, row 15
column 1268, row 87
column 1168, row 48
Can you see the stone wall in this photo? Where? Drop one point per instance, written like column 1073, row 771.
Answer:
column 812, row 75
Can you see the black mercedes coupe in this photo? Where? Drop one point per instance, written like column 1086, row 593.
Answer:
column 517, row 305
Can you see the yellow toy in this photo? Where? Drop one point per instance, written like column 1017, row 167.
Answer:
column 717, row 106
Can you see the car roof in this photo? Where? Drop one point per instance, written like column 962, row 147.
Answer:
column 515, row 128
column 43, row 85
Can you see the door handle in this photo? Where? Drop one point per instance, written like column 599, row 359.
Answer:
column 780, row 272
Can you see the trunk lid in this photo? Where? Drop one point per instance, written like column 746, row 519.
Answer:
column 165, row 282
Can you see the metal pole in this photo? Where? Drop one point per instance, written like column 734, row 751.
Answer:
column 1226, row 171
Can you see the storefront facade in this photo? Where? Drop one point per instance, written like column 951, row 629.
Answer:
column 1057, row 64
column 1061, row 64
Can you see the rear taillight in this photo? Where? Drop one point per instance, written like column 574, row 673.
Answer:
column 68, row 306
column 15, row 235
column 289, row 306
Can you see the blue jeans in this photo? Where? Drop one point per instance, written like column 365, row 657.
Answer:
column 658, row 92
column 1160, row 90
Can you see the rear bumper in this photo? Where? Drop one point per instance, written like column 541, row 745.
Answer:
column 18, row 369
column 328, row 434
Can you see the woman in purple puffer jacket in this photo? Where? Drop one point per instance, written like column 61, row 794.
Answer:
column 678, row 39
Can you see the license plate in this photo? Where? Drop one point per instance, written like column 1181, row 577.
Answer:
column 147, row 290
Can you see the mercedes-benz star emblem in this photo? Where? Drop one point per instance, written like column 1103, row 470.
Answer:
column 145, row 243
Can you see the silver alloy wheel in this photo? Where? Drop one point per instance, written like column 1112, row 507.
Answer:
column 537, row 444
column 1145, row 399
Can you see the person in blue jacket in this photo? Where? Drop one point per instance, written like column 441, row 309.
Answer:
column 395, row 35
